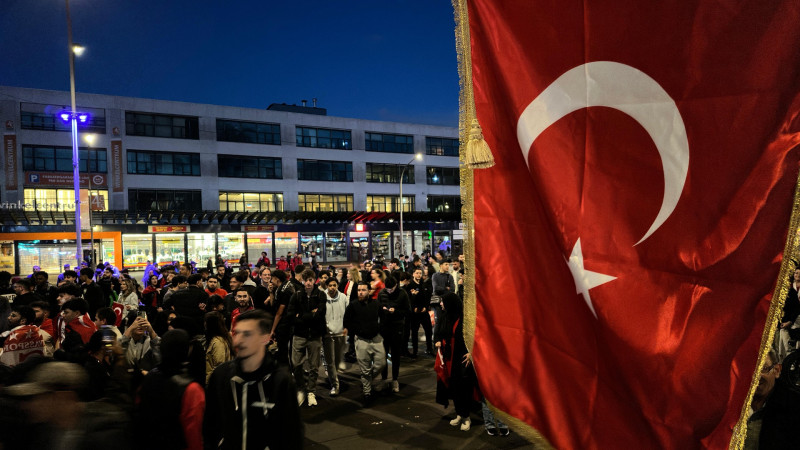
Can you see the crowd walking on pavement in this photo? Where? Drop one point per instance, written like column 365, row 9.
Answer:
column 221, row 358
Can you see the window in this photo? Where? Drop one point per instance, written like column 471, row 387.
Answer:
column 314, row 170
column 164, row 200
column 325, row 202
column 250, row 201
column 59, row 159
column 389, row 143
column 448, row 176
column 36, row 116
column 161, row 125
column 444, row 203
column 389, row 173
column 62, row 199
column 389, row 203
column 248, row 132
column 441, row 146
column 324, row 138
column 249, row 167
column 143, row 162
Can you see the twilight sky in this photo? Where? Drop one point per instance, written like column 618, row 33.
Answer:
column 389, row 60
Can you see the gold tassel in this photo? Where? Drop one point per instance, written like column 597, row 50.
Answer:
column 478, row 154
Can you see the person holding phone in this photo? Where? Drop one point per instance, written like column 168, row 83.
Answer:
column 141, row 344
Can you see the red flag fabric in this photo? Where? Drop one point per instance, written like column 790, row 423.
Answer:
column 119, row 310
column 629, row 237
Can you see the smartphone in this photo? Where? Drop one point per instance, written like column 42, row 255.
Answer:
column 108, row 335
column 142, row 314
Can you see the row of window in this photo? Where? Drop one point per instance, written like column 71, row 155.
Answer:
column 36, row 116
column 155, row 200
column 146, row 162
column 167, row 200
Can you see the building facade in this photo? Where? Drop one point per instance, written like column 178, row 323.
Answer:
column 171, row 181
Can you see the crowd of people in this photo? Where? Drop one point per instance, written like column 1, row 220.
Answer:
column 216, row 357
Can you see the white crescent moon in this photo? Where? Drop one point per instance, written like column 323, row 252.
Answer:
column 622, row 87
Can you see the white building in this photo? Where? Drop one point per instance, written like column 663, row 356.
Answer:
column 185, row 181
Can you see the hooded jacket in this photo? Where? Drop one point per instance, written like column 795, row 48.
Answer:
column 252, row 410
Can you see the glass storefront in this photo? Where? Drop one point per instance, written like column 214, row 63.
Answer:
column 257, row 243
column 7, row 256
column 380, row 245
column 105, row 249
column 201, row 248
column 136, row 250
column 359, row 246
column 422, row 242
column 311, row 243
column 335, row 247
column 231, row 247
column 50, row 256
column 169, row 248
column 443, row 242
column 284, row 243
column 406, row 243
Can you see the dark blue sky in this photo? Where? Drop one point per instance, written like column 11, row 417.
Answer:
column 380, row 59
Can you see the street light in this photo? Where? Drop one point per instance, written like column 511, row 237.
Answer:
column 74, row 117
column 417, row 157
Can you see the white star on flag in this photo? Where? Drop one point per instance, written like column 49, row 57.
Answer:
column 585, row 279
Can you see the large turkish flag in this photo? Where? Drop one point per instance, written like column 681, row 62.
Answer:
column 624, row 269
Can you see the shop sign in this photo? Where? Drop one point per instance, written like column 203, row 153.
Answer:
column 64, row 179
column 461, row 225
column 116, row 165
column 358, row 234
column 169, row 228
column 10, row 161
column 259, row 228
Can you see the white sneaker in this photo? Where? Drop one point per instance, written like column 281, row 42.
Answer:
column 342, row 366
column 455, row 422
column 312, row 401
column 301, row 397
column 465, row 425
column 395, row 386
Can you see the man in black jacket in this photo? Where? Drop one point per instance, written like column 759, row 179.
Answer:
column 419, row 297
column 361, row 320
column 92, row 293
column 307, row 313
column 394, row 309
column 190, row 302
column 251, row 400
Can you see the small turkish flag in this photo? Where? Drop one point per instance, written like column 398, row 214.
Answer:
column 629, row 237
column 119, row 310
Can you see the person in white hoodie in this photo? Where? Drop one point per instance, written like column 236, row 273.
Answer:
column 334, row 340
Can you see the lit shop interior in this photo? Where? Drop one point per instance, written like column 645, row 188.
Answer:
column 132, row 246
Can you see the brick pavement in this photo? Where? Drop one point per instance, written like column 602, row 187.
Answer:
column 408, row 419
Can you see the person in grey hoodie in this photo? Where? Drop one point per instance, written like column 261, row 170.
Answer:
column 335, row 338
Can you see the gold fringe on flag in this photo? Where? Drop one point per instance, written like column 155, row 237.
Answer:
column 773, row 317
column 476, row 155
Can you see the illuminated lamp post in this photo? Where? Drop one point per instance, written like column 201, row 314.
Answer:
column 417, row 157
column 73, row 116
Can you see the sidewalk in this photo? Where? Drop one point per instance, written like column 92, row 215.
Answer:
column 408, row 419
